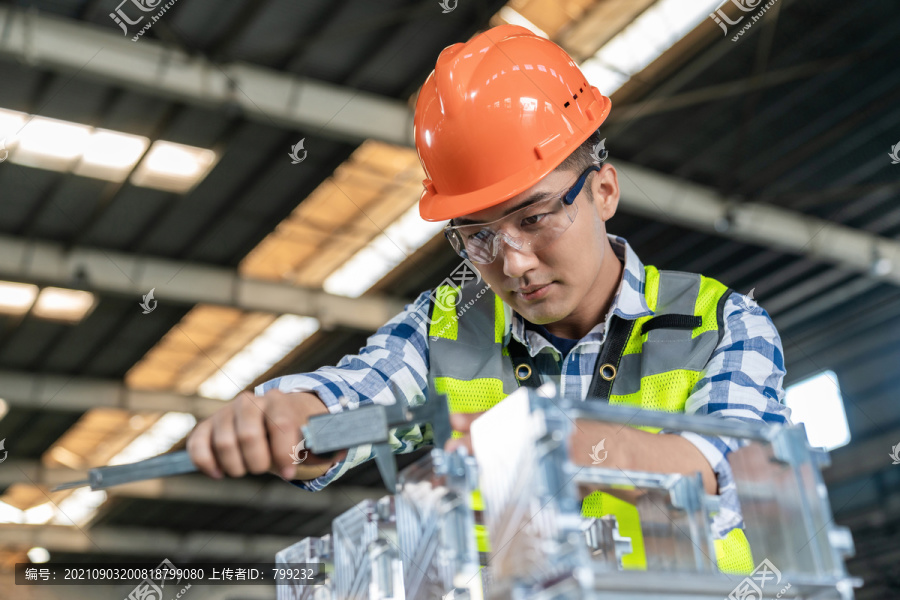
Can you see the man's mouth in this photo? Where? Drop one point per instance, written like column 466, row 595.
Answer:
column 533, row 292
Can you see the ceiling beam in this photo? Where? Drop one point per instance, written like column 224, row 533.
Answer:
column 678, row 202
column 273, row 494
column 106, row 271
column 145, row 542
column 263, row 95
column 80, row 394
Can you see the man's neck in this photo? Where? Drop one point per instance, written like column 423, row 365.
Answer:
column 597, row 302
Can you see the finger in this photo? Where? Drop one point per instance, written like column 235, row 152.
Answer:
column 199, row 447
column 225, row 444
column 462, row 422
column 329, row 458
column 251, row 433
column 311, row 469
column 283, row 426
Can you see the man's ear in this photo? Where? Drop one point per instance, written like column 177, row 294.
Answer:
column 605, row 191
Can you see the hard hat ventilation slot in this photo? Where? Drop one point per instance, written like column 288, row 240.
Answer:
column 574, row 97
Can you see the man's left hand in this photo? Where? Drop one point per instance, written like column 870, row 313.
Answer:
column 462, row 423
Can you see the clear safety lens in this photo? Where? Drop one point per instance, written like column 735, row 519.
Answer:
column 528, row 229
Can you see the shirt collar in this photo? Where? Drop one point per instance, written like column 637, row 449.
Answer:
column 629, row 302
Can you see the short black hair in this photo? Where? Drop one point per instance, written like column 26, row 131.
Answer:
column 581, row 158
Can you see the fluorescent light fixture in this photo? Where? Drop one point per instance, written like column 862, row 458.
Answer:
column 173, row 167
column 643, row 41
column 274, row 343
column 160, row 437
column 111, row 155
column 36, row 515
column 11, row 122
column 514, row 17
column 79, row 507
column 365, row 268
column 58, row 145
column 4, row 408
column 11, row 514
column 39, row 555
column 16, row 298
column 50, row 143
column 63, row 305
column 817, row 403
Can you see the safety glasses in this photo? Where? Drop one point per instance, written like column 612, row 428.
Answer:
column 527, row 229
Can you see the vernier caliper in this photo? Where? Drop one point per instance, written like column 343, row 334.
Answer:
column 372, row 424
column 368, row 424
column 165, row 465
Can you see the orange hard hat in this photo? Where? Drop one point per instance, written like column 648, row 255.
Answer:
column 496, row 115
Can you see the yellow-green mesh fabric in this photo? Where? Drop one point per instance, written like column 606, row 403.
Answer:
column 663, row 392
column 499, row 320
column 466, row 397
column 707, row 305
column 481, row 536
column 651, row 286
column 636, row 341
column 477, row 500
column 600, row 504
column 733, row 553
column 481, row 539
column 443, row 320
column 469, row 397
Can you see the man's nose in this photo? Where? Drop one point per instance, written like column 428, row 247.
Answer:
column 516, row 262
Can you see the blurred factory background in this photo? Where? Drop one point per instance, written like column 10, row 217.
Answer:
column 193, row 208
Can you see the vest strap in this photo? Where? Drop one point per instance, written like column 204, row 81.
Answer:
column 523, row 365
column 672, row 322
column 609, row 358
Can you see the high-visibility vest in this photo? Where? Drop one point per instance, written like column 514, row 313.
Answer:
column 656, row 360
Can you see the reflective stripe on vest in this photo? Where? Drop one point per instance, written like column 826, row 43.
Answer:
column 656, row 371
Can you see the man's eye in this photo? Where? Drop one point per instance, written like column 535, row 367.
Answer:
column 533, row 219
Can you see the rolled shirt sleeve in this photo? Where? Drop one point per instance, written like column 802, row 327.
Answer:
column 393, row 366
column 743, row 381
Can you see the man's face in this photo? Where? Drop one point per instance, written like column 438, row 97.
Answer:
column 553, row 283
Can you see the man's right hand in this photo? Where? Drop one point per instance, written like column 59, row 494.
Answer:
column 256, row 434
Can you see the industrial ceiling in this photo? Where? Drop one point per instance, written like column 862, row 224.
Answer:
column 762, row 162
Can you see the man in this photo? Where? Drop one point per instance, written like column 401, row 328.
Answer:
column 507, row 130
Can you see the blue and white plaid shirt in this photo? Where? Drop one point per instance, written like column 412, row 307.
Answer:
column 742, row 380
